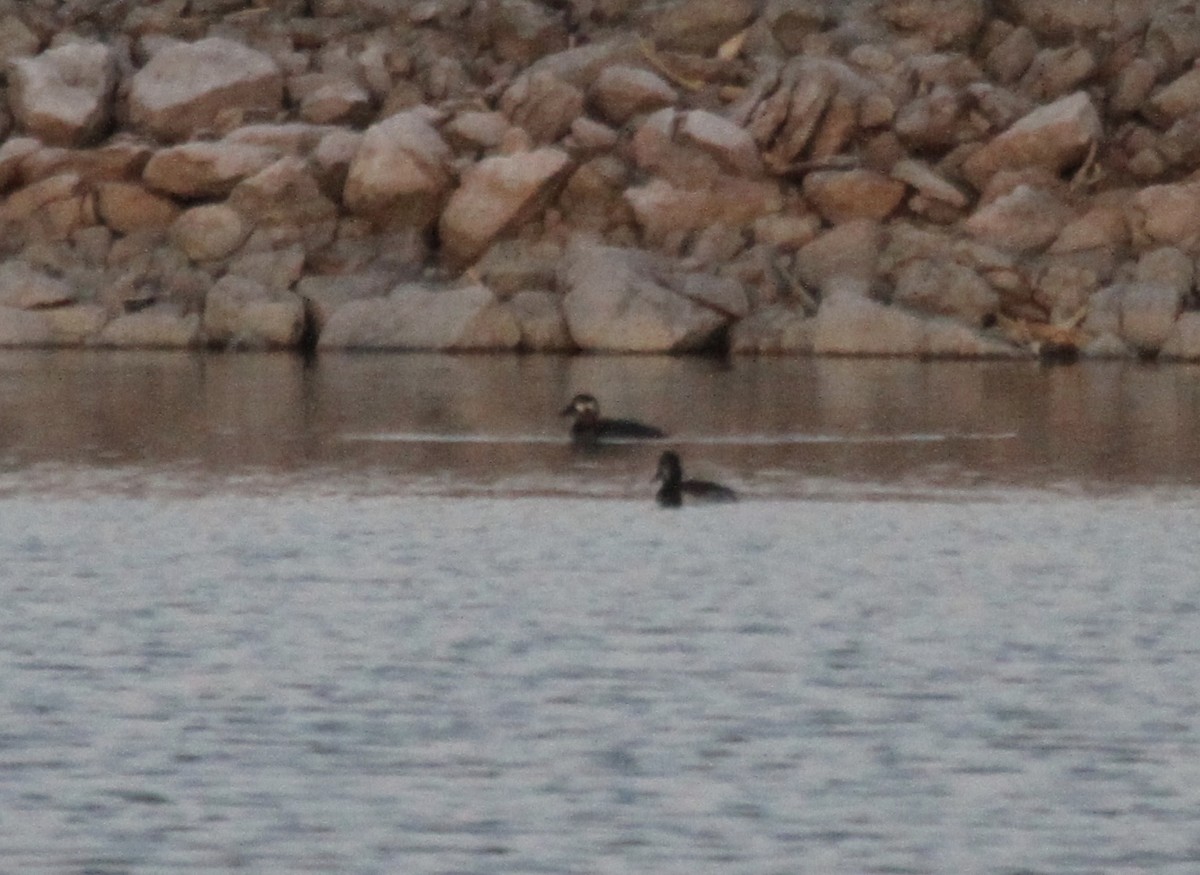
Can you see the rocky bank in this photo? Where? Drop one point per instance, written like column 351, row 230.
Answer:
column 871, row 177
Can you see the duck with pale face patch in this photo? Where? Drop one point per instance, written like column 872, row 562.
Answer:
column 590, row 427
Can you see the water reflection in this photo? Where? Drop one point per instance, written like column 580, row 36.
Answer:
column 777, row 427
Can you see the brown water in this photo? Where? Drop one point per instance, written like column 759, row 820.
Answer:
column 464, row 425
column 377, row 616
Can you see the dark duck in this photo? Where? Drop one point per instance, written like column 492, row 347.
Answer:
column 674, row 489
column 590, row 427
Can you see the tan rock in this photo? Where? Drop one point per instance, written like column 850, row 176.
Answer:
column 848, row 195
column 662, row 209
column 496, row 194
column 400, row 173
column 1058, row 71
column 50, row 209
column 944, row 23
column 328, row 99
column 64, row 95
column 621, row 92
column 1101, row 227
column 209, row 232
column 1052, row 137
column 16, row 39
column 414, row 317
column 1011, row 57
column 126, row 207
column 476, row 129
column 185, row 87
column 699, row 26
column 205, row 169
column 1132, row 87
column 543, row 105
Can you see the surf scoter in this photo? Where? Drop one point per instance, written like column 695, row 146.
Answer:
column 674, row 487
column 590, row 426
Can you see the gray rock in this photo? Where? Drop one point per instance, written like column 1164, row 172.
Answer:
column 415, row 317
column 153, row 328
column 64, row 95
column 615, row 302
column 1148, row 314
column 25, row 328
column 539, row 315
column 243, row 314
column 1025, row 219
column 323, row 295
column 25, row 287
column 774, row 330
column 945, row 288
column 1183, row 343
column 699, row 26
column 851, row 250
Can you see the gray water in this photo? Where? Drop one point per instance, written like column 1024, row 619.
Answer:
column 375, row 615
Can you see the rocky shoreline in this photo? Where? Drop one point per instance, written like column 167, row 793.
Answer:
column 953, row 178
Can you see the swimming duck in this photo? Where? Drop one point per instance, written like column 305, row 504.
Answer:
column 590, row 427
column 674, row 487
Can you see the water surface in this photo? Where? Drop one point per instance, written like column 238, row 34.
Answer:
column 376, row 615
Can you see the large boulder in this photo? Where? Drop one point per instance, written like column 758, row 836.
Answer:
column 617, row 301
column 243, row 313
column 496, row 194
column 1052, row 137
column 161, row 327
column 946, row 289
column 416, row 317
column 64, row 95
column 400, row 174
column 185, row 88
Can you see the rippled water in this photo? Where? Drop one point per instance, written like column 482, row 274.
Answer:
column 376, row 616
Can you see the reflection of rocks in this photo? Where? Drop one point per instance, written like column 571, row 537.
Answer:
column 924, row 177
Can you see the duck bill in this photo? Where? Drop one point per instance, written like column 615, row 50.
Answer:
column 567, row 411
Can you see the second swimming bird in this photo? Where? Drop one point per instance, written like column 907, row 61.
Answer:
column 590, row 427
column 674, row 488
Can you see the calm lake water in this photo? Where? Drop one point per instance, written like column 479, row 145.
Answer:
column 375, row 615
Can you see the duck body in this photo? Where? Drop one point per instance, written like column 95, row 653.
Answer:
column 590, row 427
column 675, row 490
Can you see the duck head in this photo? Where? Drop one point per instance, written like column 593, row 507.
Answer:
column 670, row 470
column 582, row 405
